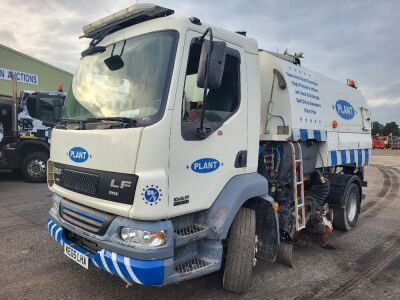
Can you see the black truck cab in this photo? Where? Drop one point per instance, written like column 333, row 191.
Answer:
column 26, row 148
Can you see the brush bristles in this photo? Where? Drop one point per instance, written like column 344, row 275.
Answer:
column 306, row 238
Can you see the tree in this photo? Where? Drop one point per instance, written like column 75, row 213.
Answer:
column 377, row 128
column 391, row 128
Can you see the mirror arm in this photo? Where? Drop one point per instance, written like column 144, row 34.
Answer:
column 201, row 131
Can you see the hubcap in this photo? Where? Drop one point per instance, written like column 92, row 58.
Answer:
column 352, row 208
column 36, row 168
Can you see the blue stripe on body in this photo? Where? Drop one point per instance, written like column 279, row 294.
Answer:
column 317, row 135
column 360, row 162
column 122, row 267
column 303, row 134
column 343, row 156
column 98, row 261
column 108, row 259
column 148, row 272
column 333, row 158
column 366, row 156
column 352, row 158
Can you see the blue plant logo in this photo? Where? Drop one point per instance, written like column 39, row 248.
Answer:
column 78, row 154
column 205, row 165
column 345, row 109
column 152, row 194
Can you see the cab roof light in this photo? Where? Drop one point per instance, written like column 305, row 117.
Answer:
column 132, row 15
column 352, row 83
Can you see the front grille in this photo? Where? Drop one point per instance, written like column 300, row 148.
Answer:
column 95, row 183
column 87, row 218
column 81, row 182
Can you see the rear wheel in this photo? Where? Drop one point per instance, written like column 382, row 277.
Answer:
column 346, row 218
column 240, row 253
column 34, row 167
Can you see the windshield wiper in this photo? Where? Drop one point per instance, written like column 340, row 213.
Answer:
column 130, row 122
column 65, row 122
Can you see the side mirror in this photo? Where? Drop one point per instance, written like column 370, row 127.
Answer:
column 57, row 113
column 216, row 64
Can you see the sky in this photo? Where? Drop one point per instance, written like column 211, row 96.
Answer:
column 341, row 39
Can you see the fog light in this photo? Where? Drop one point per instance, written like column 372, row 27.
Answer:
column 143, row 237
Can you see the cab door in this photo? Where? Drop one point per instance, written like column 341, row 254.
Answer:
column 201, row 166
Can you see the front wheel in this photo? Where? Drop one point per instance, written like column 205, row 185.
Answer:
column 345, row 218
column 240, row 253
column 34, row 167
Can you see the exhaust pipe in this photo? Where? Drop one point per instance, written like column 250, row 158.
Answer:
column 14, row 106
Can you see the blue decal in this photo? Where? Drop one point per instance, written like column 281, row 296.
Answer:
column 152, row 194
column 78, row 154
column 345, row 109
column 205, row 165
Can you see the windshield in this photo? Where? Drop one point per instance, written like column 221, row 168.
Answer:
column 137, row 90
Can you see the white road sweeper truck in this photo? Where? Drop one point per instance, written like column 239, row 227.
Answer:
column 184, row 148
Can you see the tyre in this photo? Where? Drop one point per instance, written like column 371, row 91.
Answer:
column 34, row 167
column 346, row 218
column 240, row 252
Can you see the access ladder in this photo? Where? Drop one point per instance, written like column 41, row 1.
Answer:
column 298, row 186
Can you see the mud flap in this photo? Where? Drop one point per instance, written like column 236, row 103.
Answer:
column 284, row 253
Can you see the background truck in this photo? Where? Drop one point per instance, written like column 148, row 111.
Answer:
column 394, row 142
column 25, row 131
column 378, row 142
column 185, row 149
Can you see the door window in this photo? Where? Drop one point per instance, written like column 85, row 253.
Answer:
column 44, row 110
column 219, row 103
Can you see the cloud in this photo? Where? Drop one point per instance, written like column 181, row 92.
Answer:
column 383, row 102
column 341, row 39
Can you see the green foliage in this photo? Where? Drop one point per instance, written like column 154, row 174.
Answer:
column 391, row 128
column 377, row 128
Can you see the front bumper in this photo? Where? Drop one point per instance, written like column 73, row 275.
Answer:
column 145, row 272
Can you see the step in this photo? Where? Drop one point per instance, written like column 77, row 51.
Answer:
column 194, row 265
column 190, row 233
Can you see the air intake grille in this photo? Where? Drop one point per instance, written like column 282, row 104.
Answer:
column 81, row 182
column 87, row 218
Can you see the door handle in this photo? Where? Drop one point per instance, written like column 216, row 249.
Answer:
column 241, row 159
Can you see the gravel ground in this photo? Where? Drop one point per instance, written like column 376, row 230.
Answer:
column 361, row 264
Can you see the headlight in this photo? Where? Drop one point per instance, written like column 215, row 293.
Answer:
column 143, row 237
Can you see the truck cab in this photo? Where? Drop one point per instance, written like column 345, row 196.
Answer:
column 25, row 145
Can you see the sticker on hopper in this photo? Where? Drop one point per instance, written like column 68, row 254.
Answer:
column 345, row 109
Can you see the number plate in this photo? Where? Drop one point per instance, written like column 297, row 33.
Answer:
column 76, row 256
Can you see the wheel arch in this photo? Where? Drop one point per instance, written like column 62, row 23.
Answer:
column 339, row 184
column 247, row 190
column 31, row 146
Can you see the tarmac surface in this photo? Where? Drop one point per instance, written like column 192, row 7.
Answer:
column 361, row 264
